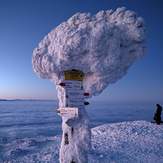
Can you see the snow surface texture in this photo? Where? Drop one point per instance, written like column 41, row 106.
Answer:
column 137, row 141
column 103, row 46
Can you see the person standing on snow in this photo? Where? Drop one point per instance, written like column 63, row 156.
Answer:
column 157, row 115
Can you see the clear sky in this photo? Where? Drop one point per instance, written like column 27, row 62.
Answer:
column 23, row 23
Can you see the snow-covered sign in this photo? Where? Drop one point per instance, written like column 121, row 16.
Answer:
column 69, row 112
column 74, row 93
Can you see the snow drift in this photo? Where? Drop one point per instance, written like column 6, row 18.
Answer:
column 103, row 46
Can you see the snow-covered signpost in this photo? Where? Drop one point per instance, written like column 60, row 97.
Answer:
column 82, row 56
column 76, row 132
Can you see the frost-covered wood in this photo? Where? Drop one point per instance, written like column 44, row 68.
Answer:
column 76, row 132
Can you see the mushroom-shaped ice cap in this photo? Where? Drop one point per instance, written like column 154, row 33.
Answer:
column 103, row 46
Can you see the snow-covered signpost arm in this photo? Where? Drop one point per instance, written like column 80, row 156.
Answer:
column 102, row 47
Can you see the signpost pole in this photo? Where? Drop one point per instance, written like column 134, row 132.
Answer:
column 76, row 137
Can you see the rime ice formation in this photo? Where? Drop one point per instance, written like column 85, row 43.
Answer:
column 102, row 47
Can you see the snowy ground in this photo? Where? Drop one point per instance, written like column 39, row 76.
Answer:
column 137, row 141
column 124, row 142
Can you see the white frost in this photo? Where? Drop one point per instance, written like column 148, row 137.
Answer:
column 103, row 46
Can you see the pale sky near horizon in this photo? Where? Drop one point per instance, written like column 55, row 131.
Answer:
column 24, row 23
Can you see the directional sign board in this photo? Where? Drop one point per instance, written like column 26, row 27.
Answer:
column 74, row 93
column 69, row 112
column 74, row 75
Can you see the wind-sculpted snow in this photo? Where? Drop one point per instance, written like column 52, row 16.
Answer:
column 103, row 46
column 135, row 141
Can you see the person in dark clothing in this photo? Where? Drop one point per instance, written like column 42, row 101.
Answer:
column 157, row 115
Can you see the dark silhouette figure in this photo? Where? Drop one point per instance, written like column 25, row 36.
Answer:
column 157, row 115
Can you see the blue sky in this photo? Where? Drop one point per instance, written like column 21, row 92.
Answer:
column 23, row 23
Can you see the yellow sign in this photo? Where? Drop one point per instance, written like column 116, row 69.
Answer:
column 73, row 75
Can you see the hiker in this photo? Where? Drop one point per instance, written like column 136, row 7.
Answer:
column 157, row 115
